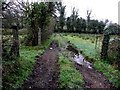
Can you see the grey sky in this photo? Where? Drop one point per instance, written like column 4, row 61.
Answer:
column 101, row 9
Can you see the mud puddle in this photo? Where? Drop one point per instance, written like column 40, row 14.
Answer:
column 78, row 57
column 92, row 78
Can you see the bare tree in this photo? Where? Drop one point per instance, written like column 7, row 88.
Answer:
column 88, row 19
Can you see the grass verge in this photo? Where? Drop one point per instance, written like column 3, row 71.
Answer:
column 16, row 72
column 109, row 71
column 69, row 77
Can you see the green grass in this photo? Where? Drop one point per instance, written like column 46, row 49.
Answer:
column 89, row 50
column 84, row 45
column 9, row 38
column 90, row 37
column 19, row 70
column 109, row 71
column 62, row 42
column 69, row 76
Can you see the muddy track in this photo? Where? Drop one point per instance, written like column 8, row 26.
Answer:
column 45, row 72
column 93, row 78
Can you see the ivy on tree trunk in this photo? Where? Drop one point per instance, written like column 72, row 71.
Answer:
column 34, row 37
column 105, row 45
column 39, row 37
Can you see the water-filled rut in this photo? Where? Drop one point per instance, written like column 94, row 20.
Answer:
column 92, row 78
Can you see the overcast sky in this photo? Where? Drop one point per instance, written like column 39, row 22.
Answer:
column 101, row 9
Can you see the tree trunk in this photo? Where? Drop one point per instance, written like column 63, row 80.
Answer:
column 34, row 37
column 39, row 37
column 96, row 41
column 105, row 44
column 15, row 46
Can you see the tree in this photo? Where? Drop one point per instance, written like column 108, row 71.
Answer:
column 52, row 8
column 105, row 43
column 68, row 23
column 114, row 29
column 101, row 26
column 109, row 30
column 61, row 10
column 12, row 13
column 93, row 26
column 74, row 17
column 37, row 19
column 83, row 25
column 78, row 25
column 106, row 21
column 88, row 19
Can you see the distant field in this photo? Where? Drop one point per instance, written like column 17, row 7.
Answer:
column 90, row 44
column 85, row 43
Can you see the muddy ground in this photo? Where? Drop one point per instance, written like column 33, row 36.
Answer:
column 46, row 70
column 93, row 78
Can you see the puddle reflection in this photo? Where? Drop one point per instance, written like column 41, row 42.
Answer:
column 78, row 58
